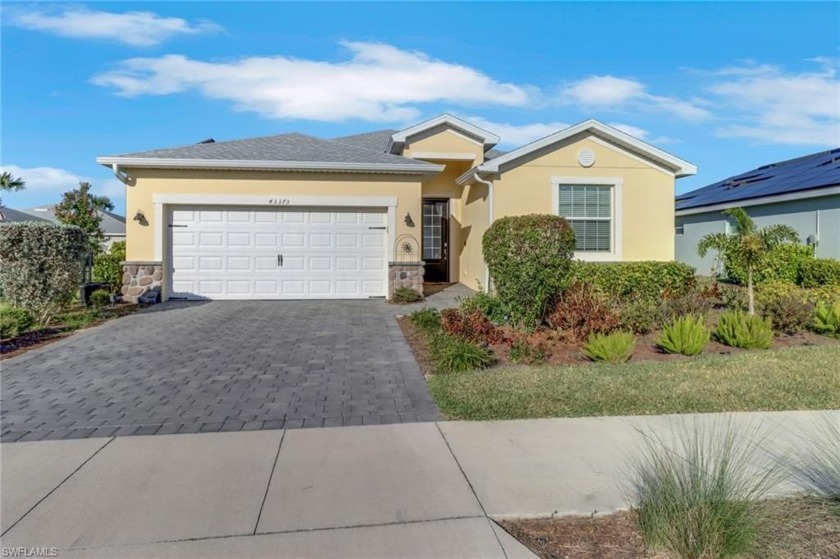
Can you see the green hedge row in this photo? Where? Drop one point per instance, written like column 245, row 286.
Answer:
column 791, row 263
column 646, row 279
column 819, row 271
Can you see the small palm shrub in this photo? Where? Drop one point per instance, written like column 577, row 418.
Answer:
column 827, row 319
column 613, row 348
column 686, row 335
column 407, row 295
column 427, row 319
column 739, row 329
column 13, row 321
column 699, row 494
column 582, row 310
column 451, row 354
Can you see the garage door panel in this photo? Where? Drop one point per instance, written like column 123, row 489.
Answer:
column 234, row 253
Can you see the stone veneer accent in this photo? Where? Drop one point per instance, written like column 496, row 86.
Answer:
column 405, row 274
column 140, row 277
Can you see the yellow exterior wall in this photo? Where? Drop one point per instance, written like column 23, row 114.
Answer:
column 140, row 238
column 445, row 141
column 475, row 217
column 647, row 194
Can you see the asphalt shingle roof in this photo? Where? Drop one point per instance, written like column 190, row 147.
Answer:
column 376, row 141
column 818, row 170
column 283, row 147
column 112, row 224
column 11, row 215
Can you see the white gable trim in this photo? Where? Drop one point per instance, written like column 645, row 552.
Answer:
column 680, row 167
column 399, row 139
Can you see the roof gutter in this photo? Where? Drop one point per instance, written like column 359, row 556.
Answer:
column 121, row 176
column 349, row 167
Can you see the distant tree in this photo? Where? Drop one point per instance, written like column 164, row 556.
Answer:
column 84, row 210
column 8, row 183
column 748, row 246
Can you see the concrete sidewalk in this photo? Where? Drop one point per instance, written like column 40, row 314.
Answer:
column 411, row 490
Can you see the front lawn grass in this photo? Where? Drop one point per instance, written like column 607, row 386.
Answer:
column 786, row 379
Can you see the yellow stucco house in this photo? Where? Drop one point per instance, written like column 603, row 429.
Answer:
column 297, row 217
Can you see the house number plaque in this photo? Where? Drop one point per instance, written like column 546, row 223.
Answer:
column 279, row 201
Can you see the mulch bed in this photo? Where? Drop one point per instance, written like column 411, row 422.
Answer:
column 563, row 352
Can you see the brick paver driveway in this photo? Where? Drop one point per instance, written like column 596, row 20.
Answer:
column 218, row 366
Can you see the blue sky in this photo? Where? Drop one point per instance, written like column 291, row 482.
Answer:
column 727, row 86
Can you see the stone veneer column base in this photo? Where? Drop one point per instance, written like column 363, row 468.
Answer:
column 405, row 274
column 140, row 276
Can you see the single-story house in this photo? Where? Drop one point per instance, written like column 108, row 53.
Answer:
column 11, row 215
column 297, row 217
column 113, row 225
column 803, row 193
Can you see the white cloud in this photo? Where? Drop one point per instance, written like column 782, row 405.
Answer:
column 620, row 94
column 518, row 134
column 379, row 83
column 139, row 29
column 52, row 182
column 780, row 107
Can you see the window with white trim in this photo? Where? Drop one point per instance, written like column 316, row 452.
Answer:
column 589, row 210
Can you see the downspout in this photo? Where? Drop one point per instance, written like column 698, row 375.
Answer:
column 490, row 219
column 121, row 176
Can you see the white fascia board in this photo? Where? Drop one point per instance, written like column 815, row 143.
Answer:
column 681, row 167
column 160, row 163
column 443, row 155
column 467, row 177
column 790, row 197
column 487, row 138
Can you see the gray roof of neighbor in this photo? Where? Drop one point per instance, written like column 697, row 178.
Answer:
column 283, row 147
column 818, row 170
column 11, row 215
column 112, row 224
column 493, row 153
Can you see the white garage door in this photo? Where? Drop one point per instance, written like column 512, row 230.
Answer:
column 269, row 253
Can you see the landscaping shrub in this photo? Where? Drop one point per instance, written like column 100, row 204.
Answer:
column 686, row 335
column 739, row 329
column 693, row 301
column 827, row 319
column 649, row 280
column 582, row 310
column 473, row 326
column 427, row 319
column 451, row 354
column 790, row 312
column 526, row 350
column 530, row 258
column 100, row 298
column 406, row 295
column 641, row 316
column 782, row 263
column 732, row 297
column 700, row 494
column 77, row 320
column 13, row 321
column 107, row 267
column 613, row 348
column 42, row 266
column 489, row 305
column 819, row 271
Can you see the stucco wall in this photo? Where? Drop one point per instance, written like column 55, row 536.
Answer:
column 475, row 218
column 647, row 201
column 811, row 216
column 443, row 140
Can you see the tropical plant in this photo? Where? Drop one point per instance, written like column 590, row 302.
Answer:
column 84, row 210
column 9, row 183
column 613, row 348
column 748, row 247
column 738, row 329
column 699, row 493
column 427, row 319
column 686, row 335
column 827, row 319
column 451, row 354
column 472, row 326
column 582, row 310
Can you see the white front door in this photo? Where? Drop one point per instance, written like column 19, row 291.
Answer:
column 270, row 253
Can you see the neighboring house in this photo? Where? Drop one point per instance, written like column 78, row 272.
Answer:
column 113, row 225
column 803, row 193
column 298, row 217
column 9, row 215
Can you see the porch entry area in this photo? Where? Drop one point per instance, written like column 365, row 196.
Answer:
column 435, row 247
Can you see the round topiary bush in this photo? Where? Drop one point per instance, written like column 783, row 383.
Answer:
column 530, row 258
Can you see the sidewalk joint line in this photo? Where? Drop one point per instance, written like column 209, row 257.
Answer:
column 54, row 489
column 469, row 483
column 270, row 477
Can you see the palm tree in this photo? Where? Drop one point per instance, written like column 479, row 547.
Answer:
column 8, row 183
column 748, row 246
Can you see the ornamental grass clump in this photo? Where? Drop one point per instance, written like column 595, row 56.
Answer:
column 739, row 329
column 816, row 467
column 827, row 319
column 427, row 319
column 610, row 348
column 699, row 493
column 451, row 354
column 686, row 335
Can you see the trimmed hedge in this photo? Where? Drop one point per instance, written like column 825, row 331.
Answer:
column 42, row 266
column 783, row 263
column 648, row 279
column 819, row 271
column 529, row 258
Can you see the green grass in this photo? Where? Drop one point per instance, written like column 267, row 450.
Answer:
column 800, row 378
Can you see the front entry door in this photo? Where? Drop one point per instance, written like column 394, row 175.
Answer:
column 436, row 240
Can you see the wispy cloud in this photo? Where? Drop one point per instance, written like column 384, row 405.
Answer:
column 769, row 104
column 139, row 29
column 53, row 181
column 515, row 135
column 378, row 83
column 610, row 93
